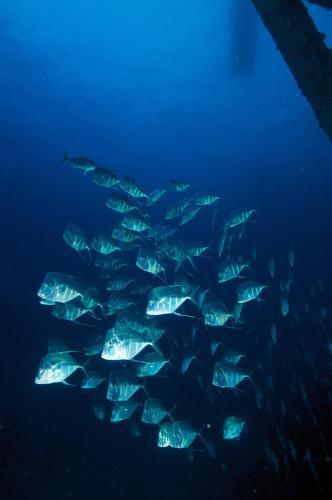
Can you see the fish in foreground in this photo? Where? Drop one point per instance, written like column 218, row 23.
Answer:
column 148, row 261
column 129, row 186
column 230, row 269
column 181, row 434
column 123, row 343
column 104, row 177
column 227, row 375
column 56, row 367
column 59, row 287
column 123, row 385
column 249, row 290
column 232, row 427
column 80, row 162
column 167, row 299
column 154, row 411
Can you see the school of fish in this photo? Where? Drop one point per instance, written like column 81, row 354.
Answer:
column 164, row 306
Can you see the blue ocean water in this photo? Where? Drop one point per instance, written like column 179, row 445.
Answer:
column 148, row 89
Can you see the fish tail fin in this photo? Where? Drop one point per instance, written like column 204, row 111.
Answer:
column 208, row 445
column 65, row 157
column 85, row 365
column 145, row 389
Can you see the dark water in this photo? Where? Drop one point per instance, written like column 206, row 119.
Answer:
column 148, row 90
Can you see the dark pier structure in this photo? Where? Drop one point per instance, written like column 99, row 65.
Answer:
column 304, row 50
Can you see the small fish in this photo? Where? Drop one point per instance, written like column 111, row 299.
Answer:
column 148, row 261
column 238, row 217
column 59, row 287
column 188, row 215
column 123, row 385
column 205, row 199
column 104, row 177
column 56, row 367
column 232, row 427
column 76, row 239
column 167, row 299
column 123, row 343
column 271, row 267
column 99, row 411
column 188, row 357
column 249, row 290
column 129, row 186
column 230, row 269
column 179, row 186
column 120, row 203
column 154, row 411
column 291, row 258
column 80, row 162
column 150, row 364
column 227, row 375
column 123, row 410
column 155, row 196
column 284, row 305
column 134, row 223
column 92, row 380
column 104, row 244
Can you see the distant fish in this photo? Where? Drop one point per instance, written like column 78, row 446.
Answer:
column 177, row 185
column 80, row 162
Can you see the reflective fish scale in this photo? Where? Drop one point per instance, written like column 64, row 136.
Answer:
column 188, row 215
column 122, row 385
column 238, row 217
column 179, row 434
column 249, row 290
column 154, row 411
column 59, row 287
column 229, row 270
column 227, row 375
column 118, row 282
column 91, row 298
column 134, row 223
column 119, row 203
column 56, row 367
column 215, row 313
column 179, row 186
column 151, row 364
column 75, row 237
column 155, row 196
column 232, row 427
column 69, row 311
column 123, row 344
column 125, row 235
column 166, row 299
column 148, row 261
column 104, row 177
column 92, row 380
column 196, row 249
column 204, row 199
column 129, row 186
column 103, row 244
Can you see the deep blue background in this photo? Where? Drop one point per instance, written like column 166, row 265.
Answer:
column 144, row 88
